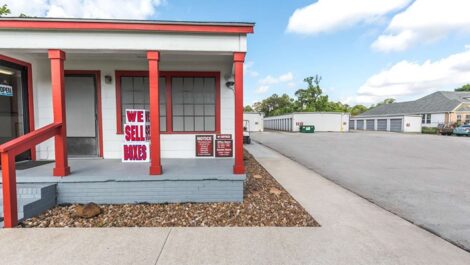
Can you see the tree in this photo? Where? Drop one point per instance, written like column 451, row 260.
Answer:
column 4, row 10
column 358, row 109
column 465, row 87
column 384, row 102
column 248, row 108
column 311, row 98
column 275, row 105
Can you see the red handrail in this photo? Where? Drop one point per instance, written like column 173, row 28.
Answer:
column 8, row 152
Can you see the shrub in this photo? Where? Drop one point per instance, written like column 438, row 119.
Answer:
column 429, row 130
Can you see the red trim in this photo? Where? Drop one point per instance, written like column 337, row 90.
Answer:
column 57, row 58
column 8, row 151
column 239, row 58
column 97, row 75
column 125, row 26
column 153, row 58
column 168, row 75
column 30, row 94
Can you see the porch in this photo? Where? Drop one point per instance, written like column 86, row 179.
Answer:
column 108, row 181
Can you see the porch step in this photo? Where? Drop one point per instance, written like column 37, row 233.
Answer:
column 33, row 199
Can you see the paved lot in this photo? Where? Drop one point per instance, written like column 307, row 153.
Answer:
column 422, row 178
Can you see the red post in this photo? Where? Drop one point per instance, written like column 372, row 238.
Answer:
column 238, row 60
column 10, row 208
column 57, row 58
column 153, row 58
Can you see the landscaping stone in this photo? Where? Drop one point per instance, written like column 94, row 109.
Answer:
column 266, row 203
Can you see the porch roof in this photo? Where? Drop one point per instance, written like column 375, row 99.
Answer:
column 81, row 24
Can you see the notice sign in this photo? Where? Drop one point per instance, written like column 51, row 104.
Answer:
column 223, row 148
column 136, row 136
column 6, row 90
column 204, row 145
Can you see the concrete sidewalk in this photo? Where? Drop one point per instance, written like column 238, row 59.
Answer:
column 353, row 231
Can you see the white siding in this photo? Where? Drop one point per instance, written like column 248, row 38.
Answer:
column 436, row 118
column 173, row 146
column 255, row 120
column 323, row 122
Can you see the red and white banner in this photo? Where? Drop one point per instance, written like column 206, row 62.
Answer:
column 136, row 136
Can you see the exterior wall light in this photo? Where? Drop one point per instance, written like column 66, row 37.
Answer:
column 108, row 79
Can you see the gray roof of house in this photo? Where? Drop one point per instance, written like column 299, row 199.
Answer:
column 437, row 102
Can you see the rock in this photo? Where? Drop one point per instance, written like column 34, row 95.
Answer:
column 257, row 176
column 89, row 210
column 275, row 191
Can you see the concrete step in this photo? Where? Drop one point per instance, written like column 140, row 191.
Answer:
column 33, row 199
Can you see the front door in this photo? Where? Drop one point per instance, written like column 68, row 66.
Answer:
column 14, row 112
column 81, row 113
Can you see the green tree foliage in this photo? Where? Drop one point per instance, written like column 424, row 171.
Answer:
column 358, row 109
column 248, row 108
column 4, row 10
column 463, row 88
column 384, row 102
column 275, row 105
column 309, row 99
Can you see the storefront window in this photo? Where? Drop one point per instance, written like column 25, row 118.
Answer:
column 13, row 104
column 135, row 95
column 193, row 104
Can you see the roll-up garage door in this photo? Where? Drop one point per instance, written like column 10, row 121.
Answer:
column 351, row 125
column 382, row 125
column 395, row 125
column 370, row 125
column 360, row 125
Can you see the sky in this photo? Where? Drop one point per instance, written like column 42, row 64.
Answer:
column 364, row 50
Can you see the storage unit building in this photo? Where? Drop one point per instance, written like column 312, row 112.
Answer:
column 253, row 121
column 405, row 123
column 323, row 121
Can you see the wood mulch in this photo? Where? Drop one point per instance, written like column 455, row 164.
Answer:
column 266, row 203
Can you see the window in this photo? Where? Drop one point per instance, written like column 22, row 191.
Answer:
column 467, row 119
column 459, row 118
column 426, row 119
column 193, row 104
column 189, row 101
column 135, row 95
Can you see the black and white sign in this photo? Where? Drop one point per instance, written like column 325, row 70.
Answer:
column 6, row 90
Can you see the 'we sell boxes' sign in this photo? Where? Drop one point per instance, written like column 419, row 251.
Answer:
column 136, row 136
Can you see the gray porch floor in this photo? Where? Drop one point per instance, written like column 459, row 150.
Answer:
column 101, row 170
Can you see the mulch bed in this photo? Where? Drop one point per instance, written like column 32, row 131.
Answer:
column 266, row 203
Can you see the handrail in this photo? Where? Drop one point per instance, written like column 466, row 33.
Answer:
column 29, row 140
column 8, row 152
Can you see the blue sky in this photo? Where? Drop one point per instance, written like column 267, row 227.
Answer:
column 365, row 50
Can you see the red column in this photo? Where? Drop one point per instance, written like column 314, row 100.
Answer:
column 57, row 58
column 153, row 58
column 10, row 210
column 238, row 60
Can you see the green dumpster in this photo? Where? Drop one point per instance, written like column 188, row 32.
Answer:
column 307, row 128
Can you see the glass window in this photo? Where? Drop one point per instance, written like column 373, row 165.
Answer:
column 428, row 118
column 467, row 119
column 135, row 95
column 459, row 118
column 423, row 119
column 13, row 103
column 193, row 104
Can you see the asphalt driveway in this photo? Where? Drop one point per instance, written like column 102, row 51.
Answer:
column 422, row 178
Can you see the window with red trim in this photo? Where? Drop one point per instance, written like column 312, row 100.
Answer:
column 189, row 101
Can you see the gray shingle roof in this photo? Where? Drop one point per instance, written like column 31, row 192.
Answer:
column 441, row 101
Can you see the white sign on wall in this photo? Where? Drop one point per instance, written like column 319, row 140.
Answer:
column 136, row 136
column 6, row 90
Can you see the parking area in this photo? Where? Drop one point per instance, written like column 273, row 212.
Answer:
column 422, row 178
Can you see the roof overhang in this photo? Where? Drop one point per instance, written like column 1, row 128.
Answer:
column 125, row 25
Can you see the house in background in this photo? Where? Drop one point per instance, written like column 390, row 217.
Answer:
column 442, row 107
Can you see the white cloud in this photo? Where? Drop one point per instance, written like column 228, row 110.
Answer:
column 271, row 80
column 261, row 89
column 424, row 21
column 248, row 68
column 136, row 9
column 266, row 82
column 408, row 80
column 330, row 15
